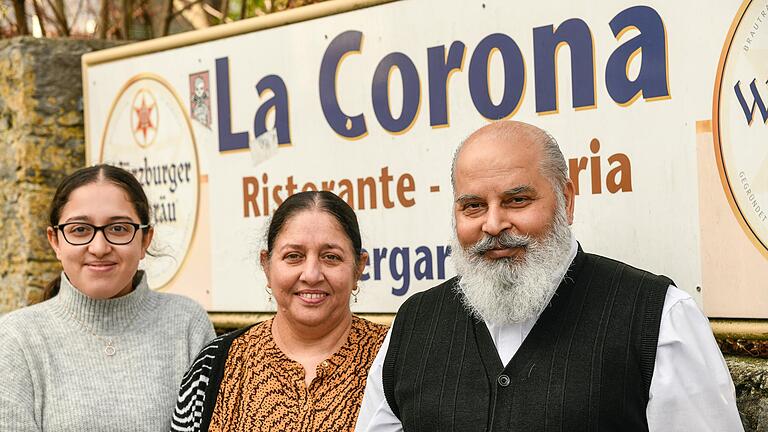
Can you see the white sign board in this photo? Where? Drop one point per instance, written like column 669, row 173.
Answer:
column 370, row 103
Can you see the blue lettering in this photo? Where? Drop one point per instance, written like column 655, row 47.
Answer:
column 546, row 42
column 398, row 275
column 277, row 103
column 227, row 139
column 378, row 256
column 439, row 70
column 651, row 81
column 411, row 92
column 443, row 252
column 342, row 45
column 749, row 112
column 422, row 268
column 514, row 76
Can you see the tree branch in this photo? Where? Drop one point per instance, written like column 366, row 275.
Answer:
column 103, row 19
column 127, row 18
column 224, row 11
column 77, row 11
column 20, row 8
column 40, row 16
column 168, row 8
column 59, row 19
column 180, row 11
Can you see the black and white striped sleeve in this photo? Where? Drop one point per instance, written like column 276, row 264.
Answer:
column 191, row 403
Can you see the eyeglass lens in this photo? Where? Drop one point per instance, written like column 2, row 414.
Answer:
column 117, row 233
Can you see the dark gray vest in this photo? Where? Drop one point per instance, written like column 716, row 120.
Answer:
column 586, row 365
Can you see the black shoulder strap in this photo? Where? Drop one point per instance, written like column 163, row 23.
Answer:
column 217, row 375
column 649, row 337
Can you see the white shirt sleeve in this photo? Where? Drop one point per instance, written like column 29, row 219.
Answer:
column 375, row 414
column 691, row 388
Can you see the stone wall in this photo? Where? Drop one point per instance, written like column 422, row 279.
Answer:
column 750, row 376
column 41, row 130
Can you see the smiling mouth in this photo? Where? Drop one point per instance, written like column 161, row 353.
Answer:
column 502, row 252
column 100, row 266
column 312, row 296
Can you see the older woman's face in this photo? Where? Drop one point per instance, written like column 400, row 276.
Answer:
column 312, row 270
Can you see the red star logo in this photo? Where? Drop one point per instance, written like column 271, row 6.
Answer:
column 144, row 113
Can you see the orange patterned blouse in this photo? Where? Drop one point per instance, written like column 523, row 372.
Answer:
column 263, row 390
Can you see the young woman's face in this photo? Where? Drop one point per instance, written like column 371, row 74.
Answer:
column 312, row 270
column 100, row 269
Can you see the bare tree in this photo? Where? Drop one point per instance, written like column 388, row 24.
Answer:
column 168, row 18
column 41, row 16
column 20, row 8
column 59, row 15
column 224, row 11
column 127, row 18
column 103, row 19
column 76, row 15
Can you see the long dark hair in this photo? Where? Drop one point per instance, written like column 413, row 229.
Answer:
column 324, row 201
column 84, row 176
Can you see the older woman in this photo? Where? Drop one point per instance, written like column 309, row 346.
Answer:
column 305, row 369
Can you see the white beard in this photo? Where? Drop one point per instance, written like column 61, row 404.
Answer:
column 510, row 290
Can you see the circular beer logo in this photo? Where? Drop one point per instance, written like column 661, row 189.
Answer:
column 740, row 116
column 149, row 134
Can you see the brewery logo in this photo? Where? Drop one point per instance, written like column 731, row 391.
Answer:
column 148, row 132
column 200, row 98
column 739, row 120
column 144, row 118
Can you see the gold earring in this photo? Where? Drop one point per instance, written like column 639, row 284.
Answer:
column 354, row 293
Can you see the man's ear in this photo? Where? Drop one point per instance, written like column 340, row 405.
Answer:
column 570, row 198
column 53, row 240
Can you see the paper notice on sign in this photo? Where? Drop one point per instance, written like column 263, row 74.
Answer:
column 264, row 146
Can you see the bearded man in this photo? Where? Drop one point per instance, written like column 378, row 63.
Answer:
column 534, row 334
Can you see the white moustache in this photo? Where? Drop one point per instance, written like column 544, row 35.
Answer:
column 504, row 240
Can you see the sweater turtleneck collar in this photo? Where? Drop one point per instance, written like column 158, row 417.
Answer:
column 109, row 316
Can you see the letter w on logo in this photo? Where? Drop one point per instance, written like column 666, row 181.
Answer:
column 749, row 112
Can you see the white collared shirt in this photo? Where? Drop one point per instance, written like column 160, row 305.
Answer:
column 691, row 388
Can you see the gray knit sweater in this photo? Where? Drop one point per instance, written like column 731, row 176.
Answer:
column 56, row 374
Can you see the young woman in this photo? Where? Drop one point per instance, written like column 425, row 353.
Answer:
column 104, row 352
column 305, row 369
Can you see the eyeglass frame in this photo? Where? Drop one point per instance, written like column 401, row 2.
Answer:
column 96, row 229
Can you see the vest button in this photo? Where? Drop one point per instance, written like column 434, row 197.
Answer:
column 503, row 380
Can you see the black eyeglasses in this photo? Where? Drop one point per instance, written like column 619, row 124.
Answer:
column 81, row 233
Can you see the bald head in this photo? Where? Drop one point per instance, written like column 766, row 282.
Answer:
column 515, row 136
